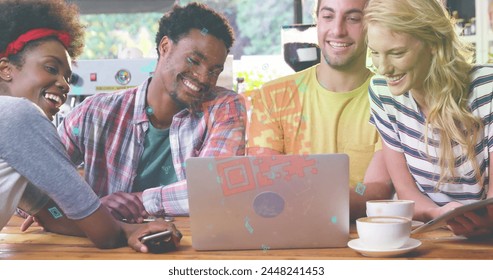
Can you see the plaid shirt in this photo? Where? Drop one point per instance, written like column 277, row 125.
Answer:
column 107, row 133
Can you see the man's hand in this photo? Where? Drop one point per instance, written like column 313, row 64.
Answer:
column 135, row 232
column 126, row 206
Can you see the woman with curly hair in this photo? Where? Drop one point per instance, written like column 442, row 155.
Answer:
column 38, row 40
column 433, row 109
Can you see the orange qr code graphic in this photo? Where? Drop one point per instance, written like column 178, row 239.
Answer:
column 242, row 174
column 277, row 118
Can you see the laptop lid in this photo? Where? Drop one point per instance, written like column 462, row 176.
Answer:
column 269, row 202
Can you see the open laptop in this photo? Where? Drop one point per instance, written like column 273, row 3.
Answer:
column 269, row 202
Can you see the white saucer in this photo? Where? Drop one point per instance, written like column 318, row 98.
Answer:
column 416, row 224
column 410, row 245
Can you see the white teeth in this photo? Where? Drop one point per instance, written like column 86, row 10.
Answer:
column 394, row 78
column 339, row 45
column 55, row 98
column 190, row 85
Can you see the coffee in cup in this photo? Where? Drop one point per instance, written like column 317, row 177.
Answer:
column 383, row 232
column 401, row 208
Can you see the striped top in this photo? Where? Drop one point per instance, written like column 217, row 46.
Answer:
column 402, row 126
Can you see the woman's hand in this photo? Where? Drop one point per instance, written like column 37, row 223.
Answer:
column 439, row 211
column 474, row 224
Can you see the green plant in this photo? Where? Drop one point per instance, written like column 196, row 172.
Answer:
column 253, row 79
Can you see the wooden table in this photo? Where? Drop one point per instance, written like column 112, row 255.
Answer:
column 35, row 244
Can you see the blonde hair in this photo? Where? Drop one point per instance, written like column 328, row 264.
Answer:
column 447, row 83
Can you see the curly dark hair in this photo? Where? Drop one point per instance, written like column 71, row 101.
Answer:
column 19, row 16
column 180, row 20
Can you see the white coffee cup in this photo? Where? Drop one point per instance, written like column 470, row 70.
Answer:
column 383, row 232
column 401, row 208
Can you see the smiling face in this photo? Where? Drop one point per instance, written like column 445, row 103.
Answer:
column 43, row 77
column 401, row 58
column 341, row 34
column 190, row 67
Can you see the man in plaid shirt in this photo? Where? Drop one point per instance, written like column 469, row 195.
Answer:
column 134, row 143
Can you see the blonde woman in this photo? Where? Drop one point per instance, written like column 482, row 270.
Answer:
column 433, row 110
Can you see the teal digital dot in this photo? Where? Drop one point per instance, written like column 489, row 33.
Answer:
column 204, row 31
column 333, row 219
column 303, row 87
column 149, row 68
column 360, row 189
column 149, row 111
column 248, row 226
column 265, row 248
column 55, row 212
column 76, row 90
column 75, row 131
column 166, row 169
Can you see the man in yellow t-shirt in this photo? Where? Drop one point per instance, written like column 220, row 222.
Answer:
column 325, row 108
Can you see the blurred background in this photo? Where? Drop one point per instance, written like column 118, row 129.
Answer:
column 125, row 29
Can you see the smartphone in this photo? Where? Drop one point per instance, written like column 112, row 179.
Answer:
column 163, row 235
column 159, row 242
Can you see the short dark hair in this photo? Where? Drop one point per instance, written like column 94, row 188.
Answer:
column 19, row 16
column 180, row 20
column 318, row 6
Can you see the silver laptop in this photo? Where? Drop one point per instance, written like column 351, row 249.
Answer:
column 269, row 202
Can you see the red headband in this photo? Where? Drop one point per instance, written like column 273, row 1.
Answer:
column 34, row 34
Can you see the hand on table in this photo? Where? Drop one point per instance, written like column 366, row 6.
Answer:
column 127, row 206
column 135, row 232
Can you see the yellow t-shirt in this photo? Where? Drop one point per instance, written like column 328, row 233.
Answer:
column 296, row 115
